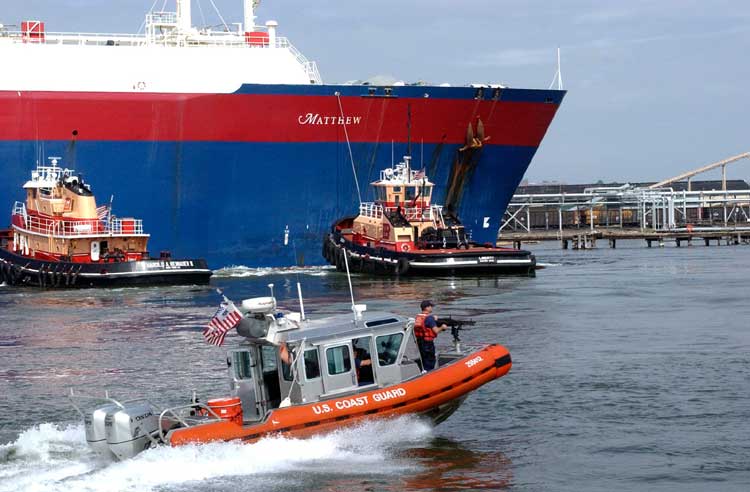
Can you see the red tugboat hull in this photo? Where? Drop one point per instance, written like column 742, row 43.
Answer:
column 434, row 395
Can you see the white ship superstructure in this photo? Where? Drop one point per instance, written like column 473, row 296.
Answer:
column 171, row 56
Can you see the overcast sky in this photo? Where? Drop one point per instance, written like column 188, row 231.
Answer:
column 655, row 87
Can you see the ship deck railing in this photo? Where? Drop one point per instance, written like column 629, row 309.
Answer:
column 371, row 210
column 76, row 228
column 433, row 213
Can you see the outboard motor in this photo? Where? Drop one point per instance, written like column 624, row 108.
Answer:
column 96, row 431
column 128, row 429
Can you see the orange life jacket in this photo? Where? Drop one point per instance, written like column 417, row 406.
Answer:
column 421, row 331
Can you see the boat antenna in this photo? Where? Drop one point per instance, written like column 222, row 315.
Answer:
column 270, row 286
column 349, row 278
column 408, row 130
column 301, row 303
column 349, row 145
column 421, row 157
column 299, row 285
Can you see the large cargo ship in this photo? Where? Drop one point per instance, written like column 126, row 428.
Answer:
column 229, row 144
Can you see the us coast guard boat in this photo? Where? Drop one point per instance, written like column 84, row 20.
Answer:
column 59, row 238
column 326, row 383
column 404, row 233
column 227, row 112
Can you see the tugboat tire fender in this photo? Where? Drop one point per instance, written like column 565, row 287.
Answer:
column 403, row 266
column 340, row 260
column 326, row 254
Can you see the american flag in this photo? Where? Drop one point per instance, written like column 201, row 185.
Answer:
column 225, row 318
column 102, row 211
column 419, row 174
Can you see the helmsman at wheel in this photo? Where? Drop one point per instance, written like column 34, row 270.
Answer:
column 426, row 330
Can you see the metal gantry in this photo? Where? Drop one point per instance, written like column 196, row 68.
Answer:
column 627, row 206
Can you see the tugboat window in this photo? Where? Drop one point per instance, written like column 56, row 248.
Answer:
column 388, row 348
column 312, row 364
column 411, row 193
column 339, row 360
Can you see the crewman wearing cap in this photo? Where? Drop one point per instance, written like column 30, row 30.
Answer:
column 426, row 330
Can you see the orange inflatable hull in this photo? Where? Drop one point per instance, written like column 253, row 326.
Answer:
column 417, row 396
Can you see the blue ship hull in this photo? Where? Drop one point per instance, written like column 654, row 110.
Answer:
column 233, row 203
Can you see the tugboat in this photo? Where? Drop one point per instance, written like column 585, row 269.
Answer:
column 297, row 377
column 59, row 238
column 402, row 233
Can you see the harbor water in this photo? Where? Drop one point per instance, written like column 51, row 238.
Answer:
column 631, row 372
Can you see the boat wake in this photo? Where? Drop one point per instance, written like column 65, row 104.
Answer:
column 241, row 271
column 548, row 265
column 53, row 457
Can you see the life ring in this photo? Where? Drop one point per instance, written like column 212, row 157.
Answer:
column 405, row 247
column 689, row 227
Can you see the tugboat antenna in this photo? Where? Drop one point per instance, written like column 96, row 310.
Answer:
column 270, row 286
column 301, row 304
column 408, row 129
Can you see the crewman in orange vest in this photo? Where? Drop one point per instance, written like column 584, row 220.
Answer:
column 426, row 330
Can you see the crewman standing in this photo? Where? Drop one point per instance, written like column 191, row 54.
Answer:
column 426, row 330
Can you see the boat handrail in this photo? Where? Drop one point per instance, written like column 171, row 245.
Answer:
column 19, row 208
column 433, row 212
column 78, row 228
column 371, row 209
column 185, row 421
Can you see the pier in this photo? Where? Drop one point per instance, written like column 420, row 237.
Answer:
column 676, row 210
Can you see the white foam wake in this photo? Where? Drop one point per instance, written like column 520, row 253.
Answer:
column 52, row 458
column 241, row 271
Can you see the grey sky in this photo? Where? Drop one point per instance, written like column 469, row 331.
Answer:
column 655, row 87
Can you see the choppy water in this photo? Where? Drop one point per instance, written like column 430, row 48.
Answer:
column 631, row 372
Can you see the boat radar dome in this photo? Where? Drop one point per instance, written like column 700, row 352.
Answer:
column 259, row 305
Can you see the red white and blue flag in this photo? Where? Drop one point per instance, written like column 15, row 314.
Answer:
column 419, row 174
column 102, row 212
column 225, row 318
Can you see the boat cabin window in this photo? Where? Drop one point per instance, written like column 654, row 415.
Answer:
column 271, row 375
column 382, row 194
column 411, row 192
column 286, row 371
column 397, row 189
column 312, row 364
column 339, row 360
column 388, row 348
column 242, row 362
column 363, row 360
column 45, row 192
